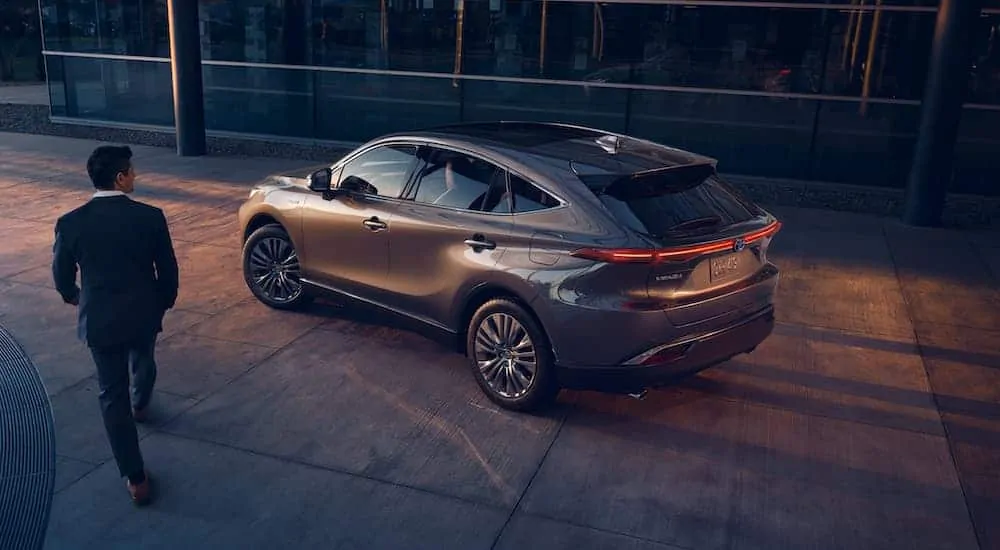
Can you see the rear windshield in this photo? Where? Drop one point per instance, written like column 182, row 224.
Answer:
column 694, row 207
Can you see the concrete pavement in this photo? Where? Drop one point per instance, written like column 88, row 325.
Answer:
column 25, row 94
column 870, row 419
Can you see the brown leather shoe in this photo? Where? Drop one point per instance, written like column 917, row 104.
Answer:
column 140, row 415
column 140, row 492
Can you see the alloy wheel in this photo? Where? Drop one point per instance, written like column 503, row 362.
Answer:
column 505, row 355
column 274, row 269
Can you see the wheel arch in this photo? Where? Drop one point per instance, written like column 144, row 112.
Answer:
column 260, row 220
column 479, row 295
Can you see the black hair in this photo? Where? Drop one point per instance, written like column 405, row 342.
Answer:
column 106, row 162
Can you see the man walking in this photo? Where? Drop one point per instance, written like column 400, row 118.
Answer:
column 128, row 279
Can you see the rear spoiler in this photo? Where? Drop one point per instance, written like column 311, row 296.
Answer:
column 659, row 181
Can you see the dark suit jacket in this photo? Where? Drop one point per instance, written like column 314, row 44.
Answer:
column 128, row 271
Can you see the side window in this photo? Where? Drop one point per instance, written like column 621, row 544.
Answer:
column 455, row 180
column 528, row 198
column 382, row 171
column 497, row 200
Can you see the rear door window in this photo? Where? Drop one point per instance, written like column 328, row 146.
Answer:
column 456, row 180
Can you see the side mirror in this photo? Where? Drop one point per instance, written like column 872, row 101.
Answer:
column 320, row 180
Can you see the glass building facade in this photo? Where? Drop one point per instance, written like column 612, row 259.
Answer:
column 794, row 89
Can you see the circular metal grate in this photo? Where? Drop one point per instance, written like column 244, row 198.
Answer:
column 27, row 450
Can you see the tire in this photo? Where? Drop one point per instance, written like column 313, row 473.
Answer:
column 498, row 333
column 271, row 269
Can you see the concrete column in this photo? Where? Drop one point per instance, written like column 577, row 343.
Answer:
column 941, row 111
column 185, row 69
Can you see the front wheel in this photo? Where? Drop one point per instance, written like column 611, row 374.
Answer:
column 271, row 269
column 511, row 358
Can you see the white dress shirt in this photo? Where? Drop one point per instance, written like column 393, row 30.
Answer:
column 102, row 194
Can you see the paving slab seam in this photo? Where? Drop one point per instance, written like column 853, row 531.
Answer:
column 74, row 385
column 251, row 368
column 173, row 394
column 24, row 219
column 934, row 396
column 10, row 278
column 89, row 378
column 982, row 262
column 93, row 468
column 186, row 332
column 531, row 480
column 96, row 465
column 202, row 243
column 571, row 523
column 85, row 461
column 330, row 469
column 213, row 313
column 211, row 317
column 175, row 219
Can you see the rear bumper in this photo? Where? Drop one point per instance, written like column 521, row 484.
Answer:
column 706, row 350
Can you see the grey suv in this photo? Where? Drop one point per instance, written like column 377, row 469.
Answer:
column 551, row 255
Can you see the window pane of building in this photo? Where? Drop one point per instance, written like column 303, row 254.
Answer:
column 804, row 90
column 875, row 53
column 260, row 100
column 137, row 92
column 124, row 27
column 985, row 81
column 748, row 134
column 358, row 107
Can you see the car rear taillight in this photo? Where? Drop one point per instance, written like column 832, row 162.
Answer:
column 673, row 254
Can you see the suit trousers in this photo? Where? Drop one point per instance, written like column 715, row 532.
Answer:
column 113, row 366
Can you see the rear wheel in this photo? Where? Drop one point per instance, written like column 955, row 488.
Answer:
column 510, row 355
column 271, row 269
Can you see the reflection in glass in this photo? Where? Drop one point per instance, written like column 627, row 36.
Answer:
column 875, row 53
column 258, row 100
column 741, row 78
column 381, row 34
column 975, row 163
column 874, row 148
column 125, row 27
column 455, row 180
column 749, row 135
column 383, row 170
column 985, row 81
column 358, row 107
column 598, row 107
column 137, row 92
column 528, row 198
column 261, row 31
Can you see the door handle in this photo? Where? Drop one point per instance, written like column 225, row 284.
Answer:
column 478, row 242
column 375, row 224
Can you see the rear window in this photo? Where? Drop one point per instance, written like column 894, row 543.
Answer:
column 705, row 205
